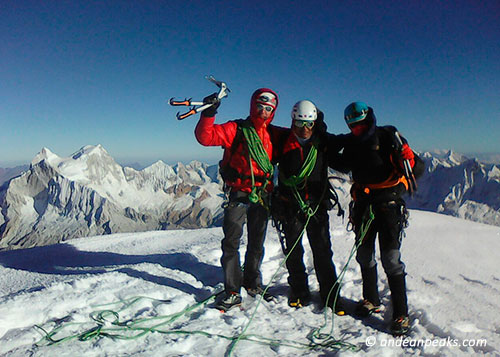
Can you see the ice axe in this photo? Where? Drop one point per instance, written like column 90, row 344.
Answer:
column 407, row 170
column 199, row 106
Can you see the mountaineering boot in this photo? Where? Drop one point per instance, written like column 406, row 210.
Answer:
column 228, row 301
column 339, row 307
column 371, row 301
column 400, row 326
column 370, row 289
column 253, row 292
column 335, row 302
column 397, row 285
column 365, row 308
column 299, row 300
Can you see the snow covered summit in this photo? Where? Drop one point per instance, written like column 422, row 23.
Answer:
column 150, row 278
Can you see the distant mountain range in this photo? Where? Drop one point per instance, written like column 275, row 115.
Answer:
column 456, row 185
column 59, row 198
column 88, row 193
column 8, row 173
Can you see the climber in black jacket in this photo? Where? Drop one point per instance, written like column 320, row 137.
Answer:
column 303, row 197
column 375, row 159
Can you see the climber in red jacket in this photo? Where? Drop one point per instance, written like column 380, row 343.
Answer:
column 247, row 173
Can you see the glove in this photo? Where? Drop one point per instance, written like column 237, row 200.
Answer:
column 211, row 111
column 407, row 154
column 321, row 127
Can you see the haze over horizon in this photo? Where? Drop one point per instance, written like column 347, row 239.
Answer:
column 487, row 158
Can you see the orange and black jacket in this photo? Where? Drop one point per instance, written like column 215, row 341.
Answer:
column 374, row 164
column 290, row 156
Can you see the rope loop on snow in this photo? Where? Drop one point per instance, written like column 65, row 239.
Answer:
column 132, row 329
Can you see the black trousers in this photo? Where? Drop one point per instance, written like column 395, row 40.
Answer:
column 256, row 216
column 388, row 224
column 318, row 234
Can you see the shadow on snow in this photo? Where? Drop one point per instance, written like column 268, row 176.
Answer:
column 65, row 259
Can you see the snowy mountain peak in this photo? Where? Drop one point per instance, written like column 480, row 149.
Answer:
column 157, row 165
column 90, row 164
column 179, row 166
column 195, row 164
column 89, row 193
column 447, row 158
column 89, row 150
column 44, row 154
column 160, row 169
column 454, row 157
column 459, row 186
column 494, row 174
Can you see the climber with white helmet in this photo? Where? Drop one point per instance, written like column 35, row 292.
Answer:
column 301, row 202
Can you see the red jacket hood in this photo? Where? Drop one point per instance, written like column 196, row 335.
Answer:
column 256, row 120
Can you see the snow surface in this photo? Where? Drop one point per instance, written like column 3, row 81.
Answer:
column 453, row 291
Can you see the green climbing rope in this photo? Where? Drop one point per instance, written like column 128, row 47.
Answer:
column 256, row 152
column 295, row 181
column 306, row 169
column 332, row 345
column 107, row 321
column 365, row 225
column 114, row 328
column 107, row 324
column 317, row 340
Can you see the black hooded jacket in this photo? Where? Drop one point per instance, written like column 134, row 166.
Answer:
column 372, row 159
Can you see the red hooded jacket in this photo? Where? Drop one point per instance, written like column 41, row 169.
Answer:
column 209, row 134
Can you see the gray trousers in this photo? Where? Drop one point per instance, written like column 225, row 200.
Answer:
column 388, row 223
column 235, row 214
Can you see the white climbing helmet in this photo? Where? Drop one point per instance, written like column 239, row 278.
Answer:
column 304, row 110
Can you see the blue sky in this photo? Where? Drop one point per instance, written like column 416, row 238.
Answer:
column 74, row 73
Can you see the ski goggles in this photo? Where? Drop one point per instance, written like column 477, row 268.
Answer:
column 267, row 108
column 356, row 117
column 303, row 123
column 267, row 98
column 266, row 101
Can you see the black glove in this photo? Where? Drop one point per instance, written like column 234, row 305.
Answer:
column 321, row 127
column 211, row 111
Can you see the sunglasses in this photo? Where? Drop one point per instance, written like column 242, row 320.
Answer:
column 303, row 123
column 267, row 108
